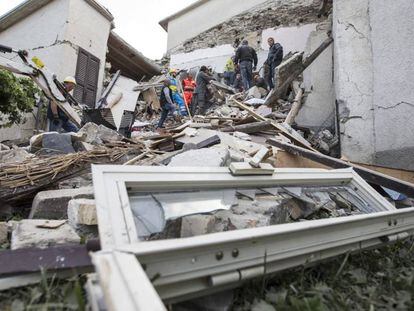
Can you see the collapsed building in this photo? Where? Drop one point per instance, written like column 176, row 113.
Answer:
column 348, row 83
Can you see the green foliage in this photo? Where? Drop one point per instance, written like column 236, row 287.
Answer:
column 380, row 279
column 49, row 294
column 17, row 97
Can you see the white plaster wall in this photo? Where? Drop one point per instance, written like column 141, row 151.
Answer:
column 392, row 37
column 354, row 78
column 374, row 65
column 204, row 17
column 319, row 109
column 41, row 34
column 293, row 39
column 90, row 30
column 215, row 57
column 54, row 33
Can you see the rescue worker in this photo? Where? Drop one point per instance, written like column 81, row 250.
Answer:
column 189, row 86
column 273, row 60
column 238, row 83
column 260, row 82
column 176, row 96
column 58, row 120
column 167, row 104
column 201, row 93
column 229, row 71
column 246, row 58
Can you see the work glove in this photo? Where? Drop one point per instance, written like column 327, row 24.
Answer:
column 254, row 68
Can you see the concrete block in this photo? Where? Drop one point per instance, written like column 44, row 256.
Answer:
column 82, row 212
column 57, row 143
column 97, row 134
column 27, row 233
column 53, row 204
column 212, row 157
column 196, row 225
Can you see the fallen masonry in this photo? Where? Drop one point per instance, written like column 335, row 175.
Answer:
column 179, row 217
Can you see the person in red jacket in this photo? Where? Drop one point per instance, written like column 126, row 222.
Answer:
column 189, row 86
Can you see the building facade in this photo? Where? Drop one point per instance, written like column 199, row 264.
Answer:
column 73, row 38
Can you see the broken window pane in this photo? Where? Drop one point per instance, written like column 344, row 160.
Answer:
column 173, row 214
column 151, row 211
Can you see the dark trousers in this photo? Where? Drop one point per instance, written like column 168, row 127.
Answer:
column 166, row 110
column 271, row 77
column 229, row 77
column 56, row 125
column 202, row 104
column 246, row 71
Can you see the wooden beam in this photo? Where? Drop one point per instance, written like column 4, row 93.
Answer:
column 297, row 103
column 285, row 129
column 250, row 127
column 369, row 175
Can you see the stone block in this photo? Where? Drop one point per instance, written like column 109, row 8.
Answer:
column 97, row 134
column 196, row 225
column 28, row 234
column 82, row 212
column 57, row 143
column 53, row 204
column 212, row 157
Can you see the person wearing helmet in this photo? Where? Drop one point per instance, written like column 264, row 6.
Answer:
column 177, row 98
column 58, row 120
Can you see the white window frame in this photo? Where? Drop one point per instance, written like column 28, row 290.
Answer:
column 179, row 269
column 116, row 223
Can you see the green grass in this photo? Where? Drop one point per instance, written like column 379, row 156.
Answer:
column 380, row 279
column 50, row 294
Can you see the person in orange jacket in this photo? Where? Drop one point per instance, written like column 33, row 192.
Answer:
column 189, row 86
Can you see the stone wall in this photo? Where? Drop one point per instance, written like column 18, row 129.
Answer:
column 250, row 24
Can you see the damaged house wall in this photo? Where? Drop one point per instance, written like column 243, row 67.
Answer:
column 39, row 33
column 54, row 33
column 374, row 82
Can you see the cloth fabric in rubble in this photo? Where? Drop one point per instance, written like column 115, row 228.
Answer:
column 60, row 123
column 246, row 58
column 167, row 105
column 274, row 59
column 176, row 97
column 201, row 90
column 189, row 86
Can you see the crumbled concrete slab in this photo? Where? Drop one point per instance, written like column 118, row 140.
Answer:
column 82, row 212
column 212, row 157
column 226, row 140
column 97, row 134
column 53, row 204
column 27, row 234
column 56, row 143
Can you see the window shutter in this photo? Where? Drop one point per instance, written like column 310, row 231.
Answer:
column 87, row 74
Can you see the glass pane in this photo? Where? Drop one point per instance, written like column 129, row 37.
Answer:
column 239, row 208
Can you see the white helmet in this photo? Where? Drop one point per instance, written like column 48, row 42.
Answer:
column 70, row 79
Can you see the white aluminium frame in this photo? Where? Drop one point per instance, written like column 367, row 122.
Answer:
column 116, row 223
column 134, row 275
